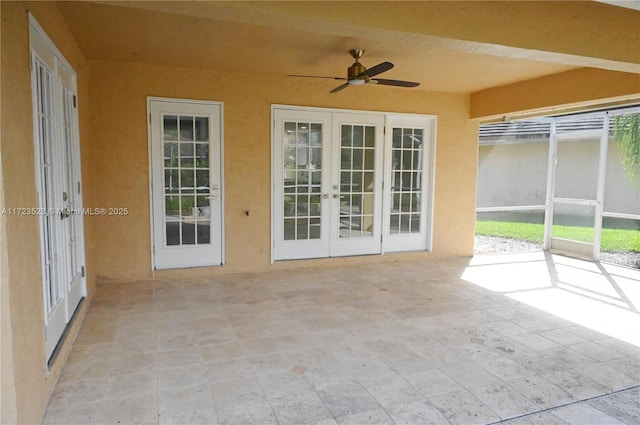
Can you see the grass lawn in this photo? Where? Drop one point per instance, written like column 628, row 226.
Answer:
column 613, row 240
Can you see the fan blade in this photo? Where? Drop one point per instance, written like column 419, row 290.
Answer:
column 337, row 89
column 397, row 83
column 378, row 69
column 316, row 76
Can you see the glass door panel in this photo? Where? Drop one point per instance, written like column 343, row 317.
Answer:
column 301, row 203
column 302, row 180
column 186, row 165
column 357, row 184
column 357, row 170
column 408, row 166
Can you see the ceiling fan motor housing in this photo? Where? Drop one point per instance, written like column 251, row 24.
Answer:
column 355, row 70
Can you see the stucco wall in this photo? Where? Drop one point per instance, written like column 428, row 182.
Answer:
column 120, row 148
column 516, row 175
column 25, row 383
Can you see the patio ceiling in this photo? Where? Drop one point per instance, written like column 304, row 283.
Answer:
column 460, row 51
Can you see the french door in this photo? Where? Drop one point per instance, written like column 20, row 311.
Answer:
column 58, row 177
column 329, row 167
column 576, row 186
column 186, row 183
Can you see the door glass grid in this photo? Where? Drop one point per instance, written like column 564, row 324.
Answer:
column 185, row 140
column 44, row 88
column 357, row 170
column 406, row 178
column 302, row 181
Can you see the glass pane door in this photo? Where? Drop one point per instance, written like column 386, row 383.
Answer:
column 357, row 183
column 301, row 157
column 302, row 180
column 57, row 153
column 186, row 165
column 408, row 165
column 185, row 140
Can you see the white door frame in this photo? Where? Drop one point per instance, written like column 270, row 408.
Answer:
column 423, row 240
column 309, row 248
column 345, row 246
column 213, row 254
column 59, row 185
column 565, row 246
column 392, row 243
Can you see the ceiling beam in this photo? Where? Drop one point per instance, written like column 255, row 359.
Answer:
column 583, row 33
column 556, row 93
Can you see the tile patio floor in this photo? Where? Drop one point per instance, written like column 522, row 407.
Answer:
column 462, row 341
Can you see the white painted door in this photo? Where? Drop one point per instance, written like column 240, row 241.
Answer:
column 186, row 184
column 301, row 184
column 58, row 177
column 573, row 220
column 409, row 170
column 356, row 184
column 327, row 191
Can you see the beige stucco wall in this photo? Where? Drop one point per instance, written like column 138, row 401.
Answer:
column 121, row 178
column 26, row 385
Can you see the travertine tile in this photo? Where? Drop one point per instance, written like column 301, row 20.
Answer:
column 432, row 382
column 184, row 400
column 247, row 413
column 542, row 392
column 347, row 399
column 351, row 344
column 504, row 400
column 392, row 390
column 416, row 412
column 370, row 417
column 133, row 385
column 624, row 406
column 462, row 407
column 577, row 384
column 133, row 410
column 200, row 417
column 298, row 408
column 183, row 376
column 583, row 414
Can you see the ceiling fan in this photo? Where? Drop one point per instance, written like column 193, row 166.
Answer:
column 357, row 74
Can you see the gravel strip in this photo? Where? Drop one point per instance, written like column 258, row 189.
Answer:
column 495, row 245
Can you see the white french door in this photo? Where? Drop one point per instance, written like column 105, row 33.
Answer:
column 409, row 175
column 356, row 184
column 186, row 183
column 58, row 177
column 328, row 173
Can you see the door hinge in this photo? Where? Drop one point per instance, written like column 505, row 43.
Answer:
column 78, row 188
column 75, row 101
column 83, row 273
column 149, row 118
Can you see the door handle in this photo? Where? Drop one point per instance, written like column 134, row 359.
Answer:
column 336, row 196
column 65, row 213
column 213, row 197
column 325, row 196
